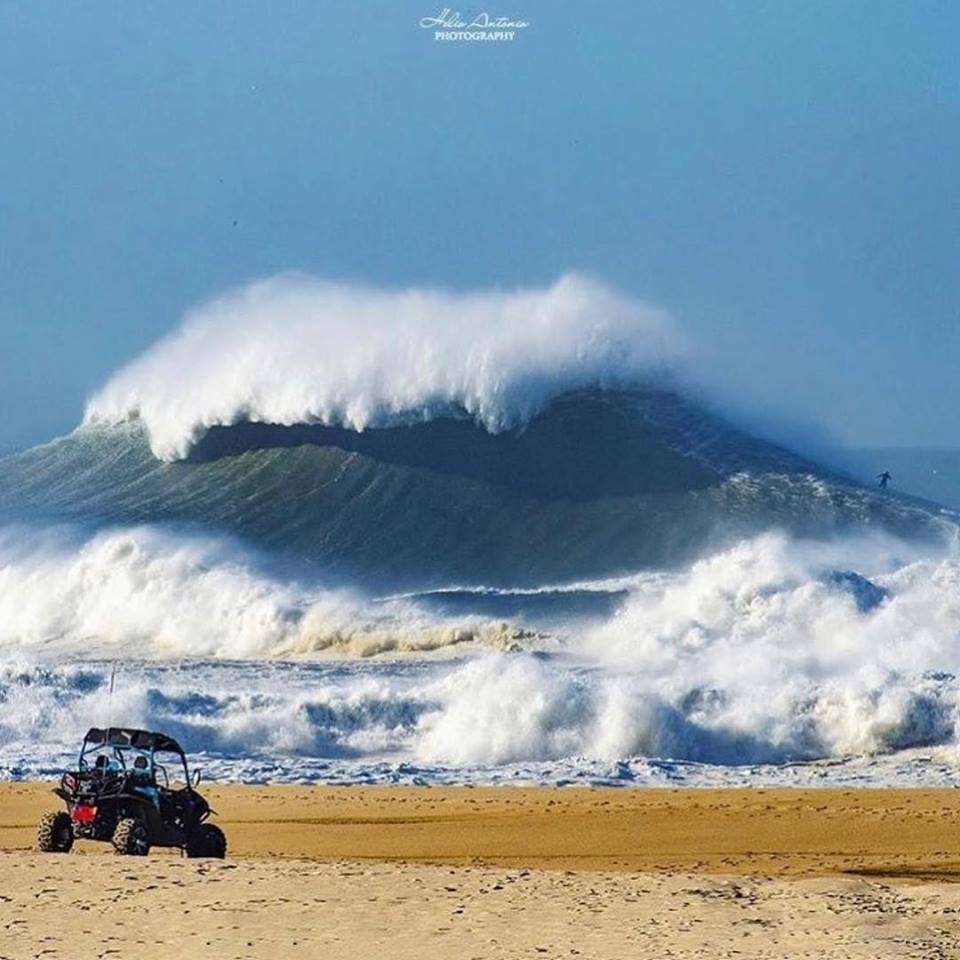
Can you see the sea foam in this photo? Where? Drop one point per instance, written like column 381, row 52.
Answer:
column 761, row 653
column 154, row 592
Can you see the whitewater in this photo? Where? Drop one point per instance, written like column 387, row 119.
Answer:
column 329, row 532
column 770, row 653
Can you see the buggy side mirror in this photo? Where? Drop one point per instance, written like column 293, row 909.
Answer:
column 196, row 777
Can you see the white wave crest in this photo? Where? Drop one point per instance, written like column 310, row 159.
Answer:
column 150, row 592
column 297, row 349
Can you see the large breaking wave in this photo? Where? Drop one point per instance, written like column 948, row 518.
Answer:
column 330, row 532
column 407, row 439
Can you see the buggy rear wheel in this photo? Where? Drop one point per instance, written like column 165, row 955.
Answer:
column 131, row 838
column 55, row 833
column 208, row 841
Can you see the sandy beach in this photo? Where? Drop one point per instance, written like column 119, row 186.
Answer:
column 346, row 872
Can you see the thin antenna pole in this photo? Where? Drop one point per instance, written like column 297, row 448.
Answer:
column 113, row 674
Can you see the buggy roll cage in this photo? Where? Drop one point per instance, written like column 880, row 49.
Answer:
column 142, row 741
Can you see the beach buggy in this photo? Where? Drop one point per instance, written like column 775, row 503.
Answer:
column 131, row 788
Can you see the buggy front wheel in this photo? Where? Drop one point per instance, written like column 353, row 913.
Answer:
column 55, row 833
column 208, row 841
column 131, row 838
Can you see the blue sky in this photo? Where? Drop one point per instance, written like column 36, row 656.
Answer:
column 782, row 176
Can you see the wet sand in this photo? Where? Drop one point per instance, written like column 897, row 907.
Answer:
column 773, row 832
column 431, row 872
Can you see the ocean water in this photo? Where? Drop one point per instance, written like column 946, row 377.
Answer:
column 331, row 534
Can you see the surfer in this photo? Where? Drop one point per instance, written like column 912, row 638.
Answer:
column 884, row 479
